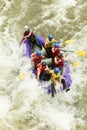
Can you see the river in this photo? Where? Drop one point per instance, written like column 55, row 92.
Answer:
column 24, row 105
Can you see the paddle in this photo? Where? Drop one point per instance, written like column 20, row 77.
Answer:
column 73, row 63
column 68, row 41
column 80, row 53
column 20, row 43
column 22, row 75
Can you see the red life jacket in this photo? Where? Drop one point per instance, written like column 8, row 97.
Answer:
column 25, row 34
column 42, row 69
column 56, row 51
column 60, row 63
column 36, row 58
column 31, row 36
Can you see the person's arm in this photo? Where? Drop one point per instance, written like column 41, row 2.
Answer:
column 60, row 79
column 57, row 61
column 53, row 78
column 45, row 44
column 47, row 68
column 53, row 49
column 38, row 74
column 43, row 57
column 23, row 38
column 56, row 41
column 32, row 59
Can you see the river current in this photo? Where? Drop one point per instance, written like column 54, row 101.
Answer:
column 24, row 105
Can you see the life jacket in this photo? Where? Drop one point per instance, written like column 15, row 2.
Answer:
column 56, row 76
column 25, row 34
column 42, row 69
column 56, row 51
column 37, row 58
column 49, row 43
column 60, row 62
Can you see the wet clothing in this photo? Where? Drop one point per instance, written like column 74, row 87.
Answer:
column 64, row 83
column 55, row 52
column 36, row 59
column 32, row 40
column 49, row 43
column 53, row 89
column 42, row 69
column 44, row 73
column 58, row 63
column 48, row 47
column 56, row 76
column 25, row 34
column 45, row 76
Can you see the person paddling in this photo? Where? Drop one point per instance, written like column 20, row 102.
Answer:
column 42, row 72
column 56, row 76
column 59, row 61
column 48, row 45
column 30, row 36
column 36, row 58
column 55, row 51
column 25, row 34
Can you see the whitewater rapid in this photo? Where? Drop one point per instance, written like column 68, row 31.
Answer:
column 23, row 104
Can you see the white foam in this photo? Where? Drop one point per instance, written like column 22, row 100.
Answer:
column 25, row 93
column 2, row 19
column 4, row 105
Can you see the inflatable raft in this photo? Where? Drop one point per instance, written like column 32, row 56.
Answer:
column 67, row 76
column 66, row 69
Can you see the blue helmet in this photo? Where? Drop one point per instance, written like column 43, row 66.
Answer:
column 56, row 70
column 50, row 37
column 56, row 45
column 38, row 53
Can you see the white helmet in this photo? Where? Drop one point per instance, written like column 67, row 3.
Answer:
column 26, row 27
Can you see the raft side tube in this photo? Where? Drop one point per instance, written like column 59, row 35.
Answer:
column 48, row 61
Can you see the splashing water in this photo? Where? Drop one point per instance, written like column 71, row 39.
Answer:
column 23, row 104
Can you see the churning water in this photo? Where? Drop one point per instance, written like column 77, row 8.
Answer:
column 24, row 105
